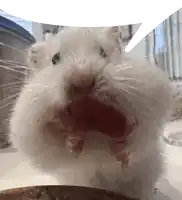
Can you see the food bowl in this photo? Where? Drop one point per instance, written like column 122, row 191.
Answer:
column 59, row 193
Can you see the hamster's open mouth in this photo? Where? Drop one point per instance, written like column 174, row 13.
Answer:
column 87, row 115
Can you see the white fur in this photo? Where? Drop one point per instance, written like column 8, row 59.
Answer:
column 138, row 89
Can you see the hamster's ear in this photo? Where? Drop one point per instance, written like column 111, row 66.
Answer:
column 112, row 32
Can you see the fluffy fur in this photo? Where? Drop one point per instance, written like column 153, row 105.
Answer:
column 140, row 91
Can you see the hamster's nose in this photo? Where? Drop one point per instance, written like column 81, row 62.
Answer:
column 80, row 81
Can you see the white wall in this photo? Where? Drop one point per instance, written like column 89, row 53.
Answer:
column 37, row 31
column 140, row 50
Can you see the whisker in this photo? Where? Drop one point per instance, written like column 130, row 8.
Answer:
column 7, row 104
column 6, row 45
column 134, row 94
column 19, row 78
column 10, row 97
column 126, row 79
column 15, row 87
column 123, row 89
column 12, row 62
column 7, row 68
column 119, row 68
column 16, row 65
column 137, row 92
column 13, row 83
column 24, row 67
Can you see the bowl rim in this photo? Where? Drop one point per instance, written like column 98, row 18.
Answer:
column 23, row 190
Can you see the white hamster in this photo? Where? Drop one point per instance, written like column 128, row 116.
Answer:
column 86, row 106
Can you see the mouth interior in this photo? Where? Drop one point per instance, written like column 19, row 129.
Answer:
column 86, row 115
column 91, row 115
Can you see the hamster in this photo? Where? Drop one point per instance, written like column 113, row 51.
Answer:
column 90, row 116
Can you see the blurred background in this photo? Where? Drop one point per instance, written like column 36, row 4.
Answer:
column 161, row 47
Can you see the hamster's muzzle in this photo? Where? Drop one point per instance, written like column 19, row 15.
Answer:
column 85, row 113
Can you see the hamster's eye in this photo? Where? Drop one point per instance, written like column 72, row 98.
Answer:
column 56, row 58
column 103, row 53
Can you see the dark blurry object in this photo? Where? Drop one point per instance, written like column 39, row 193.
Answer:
column 154, row 48
column 57, row 29
column 14, row 40
column 59, row 193
column 127, row 33
column 47, row 28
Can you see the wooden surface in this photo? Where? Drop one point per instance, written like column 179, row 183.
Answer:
column 59, row 193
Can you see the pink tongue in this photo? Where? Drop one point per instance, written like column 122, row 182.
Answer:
column 75, row 144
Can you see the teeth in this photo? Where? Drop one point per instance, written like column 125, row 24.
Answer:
column 124, row 158
column 122, row 155
column 74, row 144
